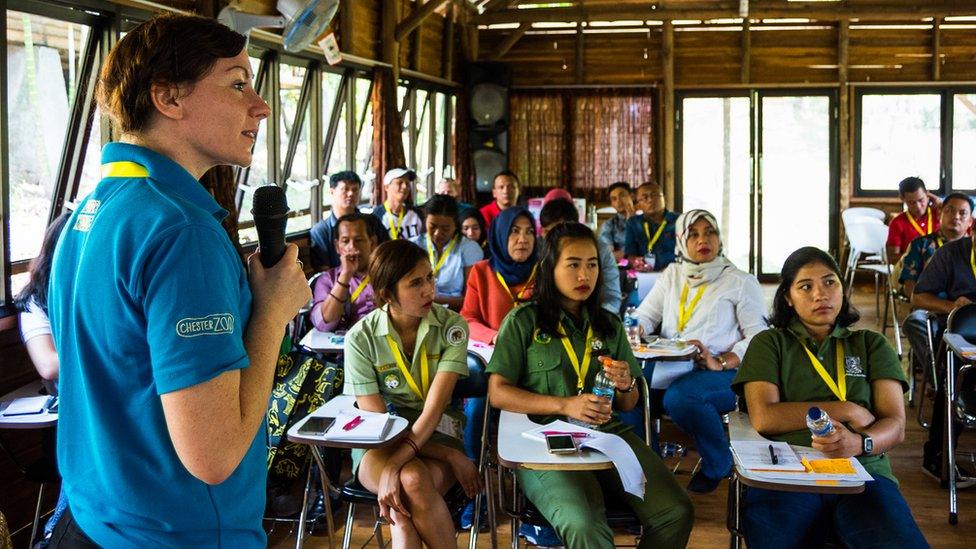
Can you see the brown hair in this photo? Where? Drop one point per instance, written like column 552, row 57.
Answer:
column 168, row 49
column 390, row 262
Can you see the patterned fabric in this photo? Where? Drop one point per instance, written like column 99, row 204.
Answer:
column 920, row 251
column 303, row 382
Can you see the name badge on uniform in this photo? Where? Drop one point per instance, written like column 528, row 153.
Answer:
column 449, row 426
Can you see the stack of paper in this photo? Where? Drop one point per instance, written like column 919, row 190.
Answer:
column 373, row 426
column 758, row 456
column 26, row 406
column 620, row 453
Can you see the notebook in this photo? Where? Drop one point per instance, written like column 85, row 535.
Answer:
column 26, row 406
column 756, row 456
column 373, row 427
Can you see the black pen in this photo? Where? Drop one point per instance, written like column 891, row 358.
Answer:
column 772, row 455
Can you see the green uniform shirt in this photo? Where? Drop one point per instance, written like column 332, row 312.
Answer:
column 776, row 355
column 537, row 362
column 371, row 367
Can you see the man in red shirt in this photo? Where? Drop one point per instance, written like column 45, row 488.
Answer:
column 505, row 191
column 920, row 218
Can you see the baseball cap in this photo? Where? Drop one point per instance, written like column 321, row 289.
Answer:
column 395, row 173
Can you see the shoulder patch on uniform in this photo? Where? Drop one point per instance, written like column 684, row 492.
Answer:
column 597, row 344
column 84, row 222
column 392, row 381
column 541, row 337
column 852, row 366
column 215, row 324
column 455, row 335
column 91, row 206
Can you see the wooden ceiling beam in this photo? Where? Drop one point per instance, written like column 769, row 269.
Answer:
column 495, row 5
column 510, row 40
column 407, row 26
column 837, row 13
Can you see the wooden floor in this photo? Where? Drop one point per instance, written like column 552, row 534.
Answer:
column 928, row 502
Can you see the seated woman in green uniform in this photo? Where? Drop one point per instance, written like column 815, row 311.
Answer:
column 545, row 361
column 811, row 357
column 407, row 356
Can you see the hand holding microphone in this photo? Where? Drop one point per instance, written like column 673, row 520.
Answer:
column 277, row 280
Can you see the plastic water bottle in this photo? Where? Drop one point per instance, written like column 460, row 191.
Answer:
column 603, row 386
column 632, row 326
column 819, row 422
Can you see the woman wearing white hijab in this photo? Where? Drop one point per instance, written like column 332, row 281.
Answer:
column 705, row 300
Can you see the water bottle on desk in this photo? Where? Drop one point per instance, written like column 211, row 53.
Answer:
column 632, row 326
column 604, row 387
column 819, row 422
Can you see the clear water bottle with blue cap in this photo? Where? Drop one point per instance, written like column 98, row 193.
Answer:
column 819, row 422
column 632, row 325
column 603, row 386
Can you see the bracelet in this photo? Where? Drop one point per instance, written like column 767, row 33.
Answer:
column 341, row 283
column 722, row 361
column 333, row 296
column 412, row 444
column 633, row 383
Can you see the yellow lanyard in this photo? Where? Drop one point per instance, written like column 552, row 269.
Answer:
column 424, row 371
column 359, row 289
column 574, row 360
column 657, row 234
column 939, row 241
column 684, row 309
column 972, row 260
column 528, row 282
column 928, row 224
column 840, row 388
column 447, row 252
column 396, row 225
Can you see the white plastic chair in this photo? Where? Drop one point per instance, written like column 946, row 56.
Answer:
column 869, row 237
column 857, row 215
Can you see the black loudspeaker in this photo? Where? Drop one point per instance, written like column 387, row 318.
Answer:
column 488, row 85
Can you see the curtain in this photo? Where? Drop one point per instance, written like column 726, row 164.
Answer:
column 461, row 147
column 537, row 141
column 613, row 136
column 387, row 129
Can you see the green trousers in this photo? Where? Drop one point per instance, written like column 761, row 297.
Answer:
column 573, row 502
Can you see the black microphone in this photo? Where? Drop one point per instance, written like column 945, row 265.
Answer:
column 270, row 211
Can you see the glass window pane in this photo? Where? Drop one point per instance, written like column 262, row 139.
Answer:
column 330, row 93
column 899, row 138
column 964, row 142
column 257, row 174
column 364, row 149
column 91, row 171
column 422, row 156
column 299, row 196
column 715, row 168
column 44, row 57
column 439, row 137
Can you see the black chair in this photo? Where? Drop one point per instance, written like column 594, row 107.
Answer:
column 520, row 509
column 475, row 385
column 960, row 405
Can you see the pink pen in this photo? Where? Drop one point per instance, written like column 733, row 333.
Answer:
column 574, row 434
column 352, row 424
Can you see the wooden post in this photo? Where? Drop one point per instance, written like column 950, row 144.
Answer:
column 418, row 38
column 579, row 53
column 937, row 48
column 473, row 40
column 844, row 116
column 345, row 26
column 667, row 101
column 448, row 65
column 509, row 41
column 417, row 16
column 390, row 50
column 746, row 51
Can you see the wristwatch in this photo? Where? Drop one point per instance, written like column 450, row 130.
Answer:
column 867, row 444
column 633, row 383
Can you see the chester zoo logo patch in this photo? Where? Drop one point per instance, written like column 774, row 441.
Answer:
column 216, row 324
column 852, row 366
column 455, row 335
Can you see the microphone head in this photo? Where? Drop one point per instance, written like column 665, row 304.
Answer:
column 269, row 201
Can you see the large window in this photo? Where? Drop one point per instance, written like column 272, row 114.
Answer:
column 428, row 120
column 964, row 142
column 297, row 177
column 44, row 62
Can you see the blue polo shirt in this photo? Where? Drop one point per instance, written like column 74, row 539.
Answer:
column 148, row 296
column 464, row 254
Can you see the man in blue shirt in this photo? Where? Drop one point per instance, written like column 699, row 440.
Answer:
column 346, row 189
column 167, row 357
column 651, row 233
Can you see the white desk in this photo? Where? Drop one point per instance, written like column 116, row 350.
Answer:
column 741, row 429
column 646, row 281
column 331, row 409
column 30, row 421
column 323, row 342
column 516, row 451
column 665, row 350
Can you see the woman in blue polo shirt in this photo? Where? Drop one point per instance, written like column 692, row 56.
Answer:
column 451, row 254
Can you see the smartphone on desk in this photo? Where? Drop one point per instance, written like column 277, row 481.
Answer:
column 561, row 444
column 316, row 426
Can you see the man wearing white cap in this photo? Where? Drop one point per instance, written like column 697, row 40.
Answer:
column 395, row 213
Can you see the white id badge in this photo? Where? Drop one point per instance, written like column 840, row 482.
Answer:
column 449, row 426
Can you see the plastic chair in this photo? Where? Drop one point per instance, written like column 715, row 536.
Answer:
column 619, row 515
column 960, row 402
column 869, row 237
column 353, row 493
column 854, row 215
